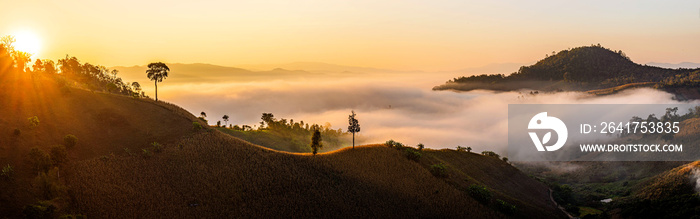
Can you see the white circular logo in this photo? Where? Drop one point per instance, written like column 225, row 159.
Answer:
column 542, row 121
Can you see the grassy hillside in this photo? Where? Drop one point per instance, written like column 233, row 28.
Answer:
column 289, row 136
column 582, row 68
column 103, row 124
column 114, row 170
column 215, row 174
column 672, row 194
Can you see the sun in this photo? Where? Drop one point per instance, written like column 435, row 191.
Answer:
column 28, row 42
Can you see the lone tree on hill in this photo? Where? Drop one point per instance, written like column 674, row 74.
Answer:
column 316, row 141
column 353, row 127
column 157, row 71
column 225, row 120
column 203, row 114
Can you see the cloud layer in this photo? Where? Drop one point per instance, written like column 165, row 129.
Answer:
column 399, row 107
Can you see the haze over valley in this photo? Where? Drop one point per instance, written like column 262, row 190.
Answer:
column 392, row 104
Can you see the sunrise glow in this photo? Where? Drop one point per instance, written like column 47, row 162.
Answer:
column 28, row 42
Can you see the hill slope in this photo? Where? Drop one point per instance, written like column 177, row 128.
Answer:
column 581, row 68
column 215, row 174
column 206, row 173
column 103, row 123
column 672, row 194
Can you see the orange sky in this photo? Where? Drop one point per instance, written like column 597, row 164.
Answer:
column 403, row 35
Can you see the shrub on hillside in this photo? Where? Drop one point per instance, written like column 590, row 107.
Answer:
column 72, row 216
column 461, row 149
column 58, row 155
column 203, row 119
column 157, row 147
column 146, row 153
column 70, row 141
column 394, row 144
column 7, row 171
column 33, row 121
column 17, row 132
column 48, row 186
column 420, row 146
column 480, row 193
column 40, row 160
column 413, row 154
column 196, row 126
column 505, row 207
column 491, row 154
column 41, row 209
column 438, row 170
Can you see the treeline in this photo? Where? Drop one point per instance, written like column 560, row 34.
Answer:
column 669, row 117
column 288, row 135
column 67, row 71
column 590, row 67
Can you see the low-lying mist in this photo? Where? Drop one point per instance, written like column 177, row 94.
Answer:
column 390, row 106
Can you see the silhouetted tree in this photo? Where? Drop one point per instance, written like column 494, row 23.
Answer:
column 38, row 66
column 420, row 146
column 491, row 154
column 137, row 87
column 40, row 160
column 70, row 66
column 203, row 114
column 316, row 141
column 59, row 157
column 157, row 71
column 49, row 67
column 267, row 118
column 469, row 149
column 20, row 59
column 225, row 120
column 70, row 141
column 353, row 127
column 460, row 148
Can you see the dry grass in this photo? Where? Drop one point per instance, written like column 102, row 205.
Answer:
column 614, row 90
column 225, row 176
column 103, row 123
column 211, row 175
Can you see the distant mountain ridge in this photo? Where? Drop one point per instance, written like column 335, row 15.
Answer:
column 200, row 72
column 675, row 66
column 317, row 67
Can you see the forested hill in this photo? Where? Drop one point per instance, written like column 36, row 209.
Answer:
column 581, row 68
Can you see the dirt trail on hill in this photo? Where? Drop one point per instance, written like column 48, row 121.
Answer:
column 559, row 206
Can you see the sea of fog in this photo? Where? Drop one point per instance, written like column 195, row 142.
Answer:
column 395, row 106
